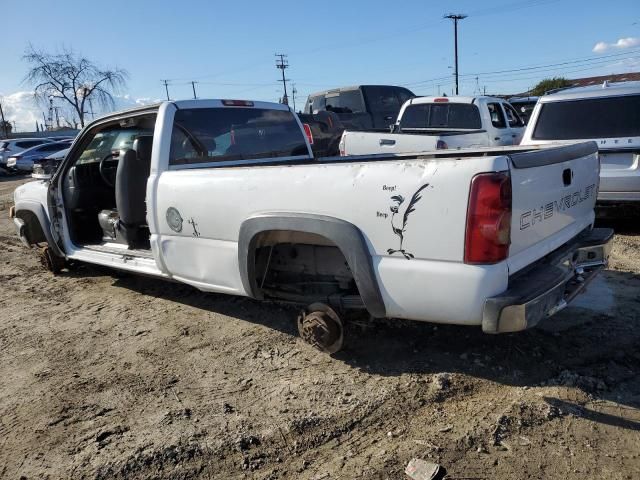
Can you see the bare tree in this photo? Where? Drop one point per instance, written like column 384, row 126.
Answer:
column 73, row 78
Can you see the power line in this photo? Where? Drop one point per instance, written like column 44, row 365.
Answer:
column 576, row 62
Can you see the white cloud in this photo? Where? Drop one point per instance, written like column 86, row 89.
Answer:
column 22, row 108
column 628, row 42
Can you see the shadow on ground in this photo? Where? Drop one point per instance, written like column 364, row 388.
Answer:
column 591, row 346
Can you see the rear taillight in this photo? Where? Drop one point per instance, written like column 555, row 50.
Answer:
column 441, row 145
column 307, row 132
column 488, row 232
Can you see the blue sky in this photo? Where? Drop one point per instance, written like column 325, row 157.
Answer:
column 228, row 47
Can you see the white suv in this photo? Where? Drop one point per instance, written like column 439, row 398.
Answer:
column 608, row 114
column 11, row 146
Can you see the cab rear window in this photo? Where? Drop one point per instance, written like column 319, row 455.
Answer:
column 205, row 135
column 610, row 117
column 441, row 115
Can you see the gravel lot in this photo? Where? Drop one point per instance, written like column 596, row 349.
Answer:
column 110, row 376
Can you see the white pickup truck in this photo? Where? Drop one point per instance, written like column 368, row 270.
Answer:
column 425, row 124
column 225, row 195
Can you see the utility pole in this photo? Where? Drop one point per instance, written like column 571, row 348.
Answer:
column 166, row 87
column 4, row 124
column 50, row 118
column 93, row 115
column 293, row 95
column 45, row 121
column 282, row 64
column 193, row 85
column 456, row 17
column 57, row 116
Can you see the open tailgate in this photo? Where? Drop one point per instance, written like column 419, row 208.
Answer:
column 554, row 194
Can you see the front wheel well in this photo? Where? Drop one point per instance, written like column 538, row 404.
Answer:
column 32, row 229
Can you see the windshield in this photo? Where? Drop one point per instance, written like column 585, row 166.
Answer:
column 610, row 117
column 204, row 135
column 441, row 115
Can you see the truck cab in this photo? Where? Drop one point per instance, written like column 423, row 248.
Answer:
column 362, row 107
column 461, row 114
column 435, row 123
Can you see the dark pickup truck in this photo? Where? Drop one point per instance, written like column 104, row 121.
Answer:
column 361, row 107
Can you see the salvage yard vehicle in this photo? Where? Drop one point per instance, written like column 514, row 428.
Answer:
column 608, row 114
column 45, row 168
column 430, row 123
column 12, row 146
column 524, row 106
column 23, row 161
column 226, row 196
column 362, row 107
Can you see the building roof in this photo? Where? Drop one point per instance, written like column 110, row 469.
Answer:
column 591, row 81
column 604, row 89
column 617, row 77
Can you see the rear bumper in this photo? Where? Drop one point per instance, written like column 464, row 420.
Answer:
column 620, row 197
column 550, row 285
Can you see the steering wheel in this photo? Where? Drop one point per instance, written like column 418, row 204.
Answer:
column 108, row 172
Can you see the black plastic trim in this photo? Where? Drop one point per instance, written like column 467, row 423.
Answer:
column 550, row 156
column 38, row 210
column 346, row 236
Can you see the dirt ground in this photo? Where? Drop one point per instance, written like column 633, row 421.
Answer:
column 107, row 376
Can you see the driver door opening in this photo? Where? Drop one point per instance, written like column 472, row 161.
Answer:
column 104, row 189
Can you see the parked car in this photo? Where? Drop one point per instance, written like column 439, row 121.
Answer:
column 524, row 106
column 13, row 146
column 608, row 114
column 226, row 195
column 45, row 168
column 23, row 161
column 363, row 107
column 434, row 123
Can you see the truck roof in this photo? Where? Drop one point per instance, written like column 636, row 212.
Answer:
column 187, row 104
column 351, row 87
column 451, row 99
column 605, row 89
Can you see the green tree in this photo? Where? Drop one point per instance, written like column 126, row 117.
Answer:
column 549, row 84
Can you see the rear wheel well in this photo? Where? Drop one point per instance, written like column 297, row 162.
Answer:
column 303, row 267
column 32, row 228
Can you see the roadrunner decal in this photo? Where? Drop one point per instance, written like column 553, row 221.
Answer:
column 399, row 228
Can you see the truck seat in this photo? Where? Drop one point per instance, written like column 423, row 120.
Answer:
column 127, row 224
